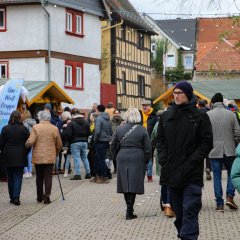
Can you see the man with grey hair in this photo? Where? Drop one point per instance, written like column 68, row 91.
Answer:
column 93, row 110
column 226, row 134
column 46, row 142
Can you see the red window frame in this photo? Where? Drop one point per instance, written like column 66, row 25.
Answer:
column 4, row 28
column 74, row 14
column 74, row 66
column 7, row 68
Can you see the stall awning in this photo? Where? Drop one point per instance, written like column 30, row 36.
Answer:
column 205, row 89
column 43, row 91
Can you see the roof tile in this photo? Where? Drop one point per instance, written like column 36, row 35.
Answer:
column 212, row 52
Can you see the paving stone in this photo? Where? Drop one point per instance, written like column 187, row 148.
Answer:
column 95, row 211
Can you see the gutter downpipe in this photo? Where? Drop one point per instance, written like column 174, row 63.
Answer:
column 118, row 24
column 49, row 40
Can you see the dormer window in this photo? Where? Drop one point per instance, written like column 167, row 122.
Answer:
column 74, row 23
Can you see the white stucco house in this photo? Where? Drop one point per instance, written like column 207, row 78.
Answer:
column 53, row 40
column 180, row 35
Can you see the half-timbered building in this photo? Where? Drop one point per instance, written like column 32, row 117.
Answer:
column 126, row 53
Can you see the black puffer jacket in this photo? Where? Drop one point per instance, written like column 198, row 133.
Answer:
column 184, row 139
column 77, row 130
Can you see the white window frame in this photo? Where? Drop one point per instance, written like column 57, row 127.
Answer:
column 69, row 22
column 3, row 64
column 172, row 64
column 79, row 24
column 68, row 75
column 185, row 65
column 3, row 27
column 79, row 78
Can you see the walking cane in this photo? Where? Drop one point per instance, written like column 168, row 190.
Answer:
column 63, row 152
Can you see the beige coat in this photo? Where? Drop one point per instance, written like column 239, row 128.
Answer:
column 46, row 142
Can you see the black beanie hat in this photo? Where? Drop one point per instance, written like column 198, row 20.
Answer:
column 218, row 97
column 186, row 87
column 101, row 108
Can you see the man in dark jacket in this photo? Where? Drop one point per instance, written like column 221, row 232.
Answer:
column 184, row 139
column 148, row 120
column 102, row 137
column 77, row 133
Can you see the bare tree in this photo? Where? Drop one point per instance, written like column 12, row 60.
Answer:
column 209, row 4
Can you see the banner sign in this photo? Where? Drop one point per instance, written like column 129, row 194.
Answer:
column 9, row 97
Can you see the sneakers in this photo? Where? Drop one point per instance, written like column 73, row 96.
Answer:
column 150, row 179
column 208, row 174
column 26, row 175
column 65, row 173
column 230, row 203
column 30, row 175
column 220, row 209
column 76, row 177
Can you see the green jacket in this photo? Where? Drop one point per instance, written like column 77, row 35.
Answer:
column 153, row 141
column 235, row 172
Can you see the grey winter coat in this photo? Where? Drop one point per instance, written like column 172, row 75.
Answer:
column 103, row 128
column 134, row 153
column 226, row 131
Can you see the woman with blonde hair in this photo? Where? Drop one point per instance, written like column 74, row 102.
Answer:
column 132, row 147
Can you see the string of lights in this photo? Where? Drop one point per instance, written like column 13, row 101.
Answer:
column 235, row 14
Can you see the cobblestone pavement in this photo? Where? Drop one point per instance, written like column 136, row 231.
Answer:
column 95, row 211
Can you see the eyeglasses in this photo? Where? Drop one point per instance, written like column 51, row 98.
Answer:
column 177, row 93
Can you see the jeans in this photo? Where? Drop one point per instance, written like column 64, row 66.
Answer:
column 67, row 161
column 186, row 204
column 149, row 168
column 100, row 156
column 79, row 151
column 165, row 194
column 28, row 169
column 217, row 178
column 15, row 175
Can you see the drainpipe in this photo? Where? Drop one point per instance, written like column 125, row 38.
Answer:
column 49, row 39
column 106, row 27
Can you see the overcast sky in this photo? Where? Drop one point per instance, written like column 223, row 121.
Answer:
column 189, row 7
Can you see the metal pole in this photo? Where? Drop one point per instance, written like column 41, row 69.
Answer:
column 49, row 40
column 164, row 63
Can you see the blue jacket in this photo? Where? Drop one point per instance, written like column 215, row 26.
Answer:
column 235, row 172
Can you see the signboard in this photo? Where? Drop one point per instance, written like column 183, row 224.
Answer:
column 9, row 96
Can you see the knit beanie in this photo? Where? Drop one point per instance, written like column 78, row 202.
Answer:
column 186, row 87
column 218, row 97
column 101, row 108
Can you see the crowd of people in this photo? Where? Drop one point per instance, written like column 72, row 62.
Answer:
column 185, row 134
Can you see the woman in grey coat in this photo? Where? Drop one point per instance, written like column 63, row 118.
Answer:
column 134, row 152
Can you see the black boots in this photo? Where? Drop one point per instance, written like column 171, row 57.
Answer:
column 130, row 199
